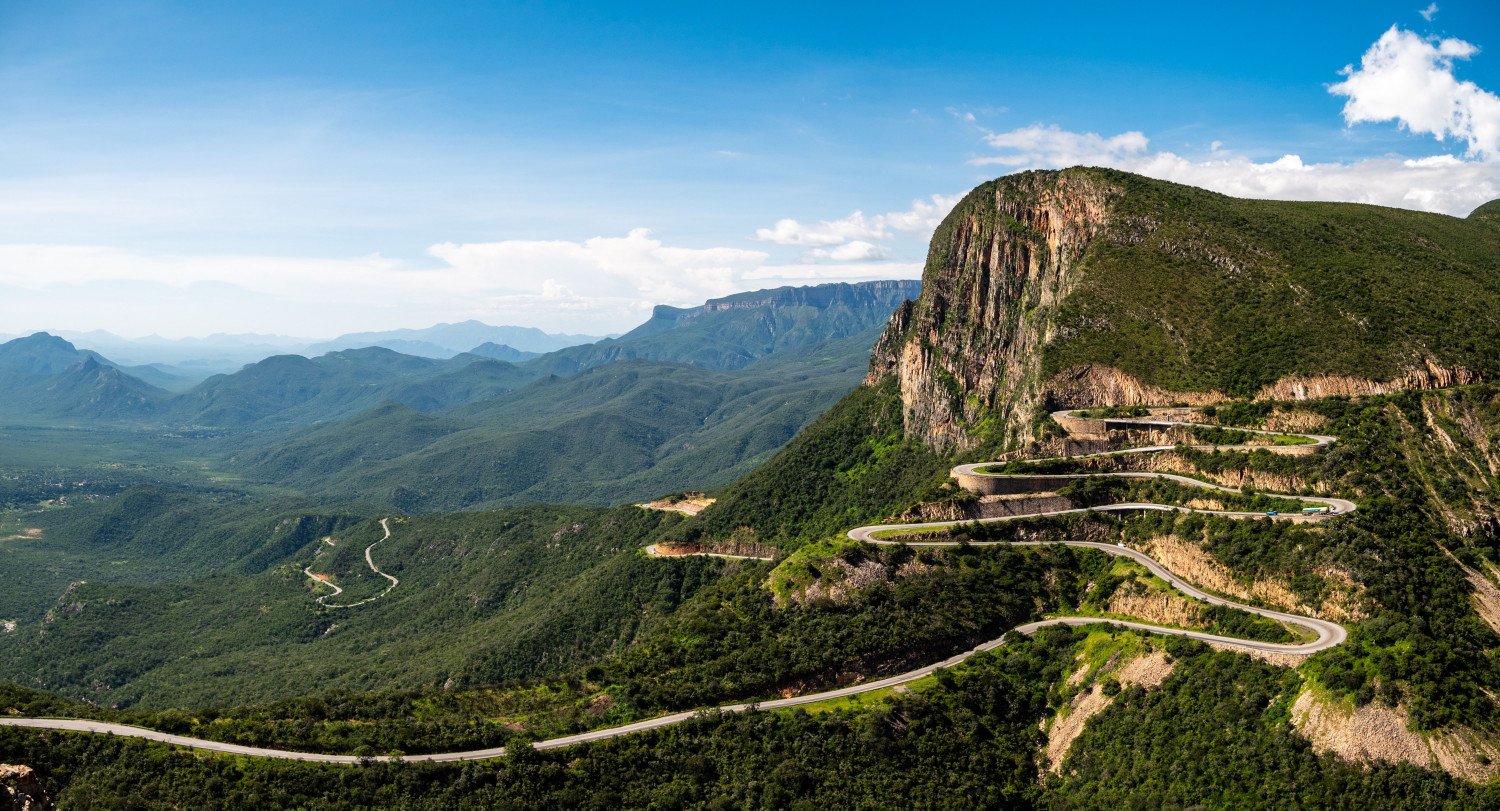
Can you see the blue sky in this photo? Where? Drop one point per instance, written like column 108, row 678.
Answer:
column 315, row 168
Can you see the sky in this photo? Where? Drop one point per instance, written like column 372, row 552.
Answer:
column 313, row 169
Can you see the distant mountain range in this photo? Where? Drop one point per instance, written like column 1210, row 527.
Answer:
column 447, row 340
column 735, row 331
column 177, row 364
column 692, row 397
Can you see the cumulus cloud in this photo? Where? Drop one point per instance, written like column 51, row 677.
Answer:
column 1429, row 12
column 1053, row 146
column 850, row 252
column 1402, row 77
column 1409, row 79
column 823, row 232
column 850, row 238
column 636, row 264
column 1440, row 183
column 603, row 284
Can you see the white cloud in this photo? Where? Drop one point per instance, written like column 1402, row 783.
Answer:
column 858, row 250
column 1429, row 12
column 824, row 232
column 1409, row 79
column 604, row 284
column 853, row 234
column 636, row 264
column 1440, row 183
column 1053, row 146
column 924, row 215
column 1402, row 78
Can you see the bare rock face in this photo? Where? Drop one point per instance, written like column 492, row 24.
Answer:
column 20, row 790
column 1000, row 264
column 1429, row 375
column 1009, row 323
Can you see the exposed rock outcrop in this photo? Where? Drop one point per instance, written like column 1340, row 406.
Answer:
column 1161, row 607
column 21, row 790
column 999, row 265
column 1047, row 290
column 1143, row 671
column 1196, row 565
column 1096, row 385
column 1376, row 732
column 1312, row 387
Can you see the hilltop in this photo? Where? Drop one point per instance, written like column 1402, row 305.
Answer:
column 1087, row 287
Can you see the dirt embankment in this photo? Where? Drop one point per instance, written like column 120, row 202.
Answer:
column 983, row 507
column 1144, row 671
column 1376, row 732
column 20, row 790
column 1196, row 565
column 1486, row 593
column 1160, row 607
column 1171, row 462
column 674, row 549
column 687, row 503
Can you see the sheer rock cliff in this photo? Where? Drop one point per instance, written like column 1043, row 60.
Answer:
column 1089, row 287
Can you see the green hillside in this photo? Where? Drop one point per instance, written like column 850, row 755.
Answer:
column 45, row 376
column 1090, row 287
column 735, row 331
column 1257, row 290
column 212, row 612
column 483, row 598
column 629, row 430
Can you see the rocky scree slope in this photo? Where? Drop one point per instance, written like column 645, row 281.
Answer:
column 1087, row 287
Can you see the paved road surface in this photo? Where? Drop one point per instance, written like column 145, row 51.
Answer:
column 1328, row 634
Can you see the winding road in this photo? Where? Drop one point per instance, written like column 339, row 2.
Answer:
column 1327, row 634
column 385, row 524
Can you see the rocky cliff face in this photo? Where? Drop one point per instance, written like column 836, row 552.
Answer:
column 20, row 790
column 968, row 349
column 1088, row 287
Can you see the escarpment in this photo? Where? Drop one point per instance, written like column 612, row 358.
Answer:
column 967, row 349
column 1090, row 287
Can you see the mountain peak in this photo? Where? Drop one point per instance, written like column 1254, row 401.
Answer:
column 1488, row 213
column 1084, row 287
column 44, row 340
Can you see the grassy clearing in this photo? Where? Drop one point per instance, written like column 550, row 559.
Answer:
column 860, row 701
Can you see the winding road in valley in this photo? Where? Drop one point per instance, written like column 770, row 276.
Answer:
column 385, row 524
column 974, row 476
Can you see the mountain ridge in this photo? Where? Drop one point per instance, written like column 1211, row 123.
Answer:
column 1091, row 287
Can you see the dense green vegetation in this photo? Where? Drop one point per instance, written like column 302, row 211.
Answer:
column 1422, row 644
column 1216, row 733
column 484, row 597
column 627, row 431
column 530, row 622
column 1096, row 491
column 851, row 466
column 1263, row 289
column 732, row 642
column 738, row 330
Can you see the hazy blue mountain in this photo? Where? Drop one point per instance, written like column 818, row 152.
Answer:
column 490, row 349
column 165, row 376
column 292, row 390
column 456, row 338
column 37, row 356
column 44, row 375
column 627, row 430
column 289, row 392
column 734, row 331
column 197, row 357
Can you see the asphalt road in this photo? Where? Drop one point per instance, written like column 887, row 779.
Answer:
column 1328, row 634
